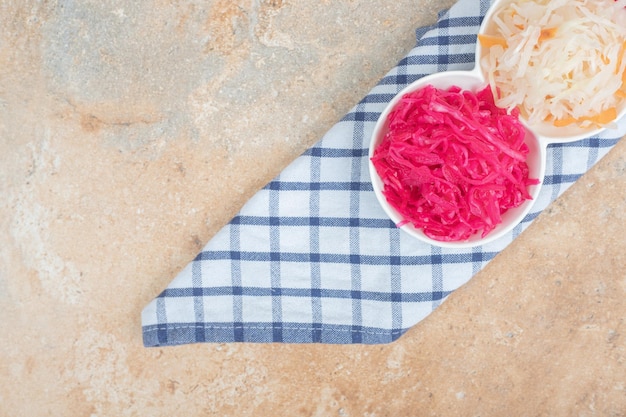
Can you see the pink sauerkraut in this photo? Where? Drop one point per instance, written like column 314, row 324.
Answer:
column 453, row 162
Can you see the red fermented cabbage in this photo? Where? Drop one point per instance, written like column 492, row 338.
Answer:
column 453, row 162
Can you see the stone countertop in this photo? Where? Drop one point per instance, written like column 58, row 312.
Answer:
column 130, row 132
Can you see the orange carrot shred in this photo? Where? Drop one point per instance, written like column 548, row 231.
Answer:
column 601, row 118
column 488, row 41
column 564, row 122
column 546, row 34
column 606, row 116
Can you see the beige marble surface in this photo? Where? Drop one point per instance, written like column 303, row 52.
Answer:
column 131, row 131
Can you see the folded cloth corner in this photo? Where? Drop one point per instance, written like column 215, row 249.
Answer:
column 312, row 257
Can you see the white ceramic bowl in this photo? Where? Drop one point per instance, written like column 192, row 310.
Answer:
column 472, row 81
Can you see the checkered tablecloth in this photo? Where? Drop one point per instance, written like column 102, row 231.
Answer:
column 312, row 258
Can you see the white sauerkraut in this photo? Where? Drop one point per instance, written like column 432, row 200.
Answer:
column 558, row 61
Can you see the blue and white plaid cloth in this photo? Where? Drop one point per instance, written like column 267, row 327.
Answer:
column 312, row 257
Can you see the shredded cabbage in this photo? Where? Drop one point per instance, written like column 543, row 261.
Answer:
column 558, row 61
column 452, row 162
